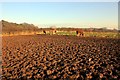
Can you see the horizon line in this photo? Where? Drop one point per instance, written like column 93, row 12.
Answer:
column 58, row 26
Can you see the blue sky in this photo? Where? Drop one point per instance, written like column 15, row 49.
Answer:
column 62, row 14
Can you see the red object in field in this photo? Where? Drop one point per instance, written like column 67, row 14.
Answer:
column 79, row 32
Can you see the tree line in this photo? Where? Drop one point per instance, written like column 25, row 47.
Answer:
column 10, row 27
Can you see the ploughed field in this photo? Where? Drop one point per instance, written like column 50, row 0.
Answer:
column 60, row 57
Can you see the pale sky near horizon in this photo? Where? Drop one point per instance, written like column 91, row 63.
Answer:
column 62, row 14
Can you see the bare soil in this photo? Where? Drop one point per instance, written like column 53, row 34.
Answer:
column 60, row 57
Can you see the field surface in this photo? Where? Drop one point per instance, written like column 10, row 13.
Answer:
column 60, row 57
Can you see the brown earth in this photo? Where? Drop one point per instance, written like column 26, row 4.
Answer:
column 60, row 57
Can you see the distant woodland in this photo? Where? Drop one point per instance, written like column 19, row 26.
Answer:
column 11, row 28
